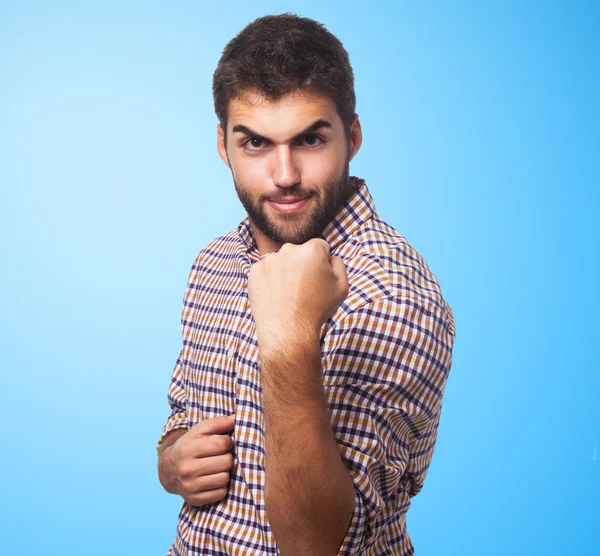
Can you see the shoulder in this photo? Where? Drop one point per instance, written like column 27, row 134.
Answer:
column 220, row 248
column 217, row 251
column 214, row 261
column 408, row 272
column 388, row 276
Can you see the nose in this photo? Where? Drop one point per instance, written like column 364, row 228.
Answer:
column 286, row 172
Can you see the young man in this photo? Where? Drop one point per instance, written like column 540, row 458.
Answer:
column 316, row 341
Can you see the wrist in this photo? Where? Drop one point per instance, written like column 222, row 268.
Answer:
column 301, row 344
column 166, row 470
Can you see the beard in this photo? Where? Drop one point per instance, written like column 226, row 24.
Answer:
column 297, row 227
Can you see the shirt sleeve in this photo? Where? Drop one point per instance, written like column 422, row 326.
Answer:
column 178, row 419
column 385, row 367
column 176, row 397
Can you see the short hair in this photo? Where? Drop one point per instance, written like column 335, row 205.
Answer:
column 279, row 54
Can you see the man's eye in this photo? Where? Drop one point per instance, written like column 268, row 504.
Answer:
column 312, row 140
column 253, row 143
column 256, row 143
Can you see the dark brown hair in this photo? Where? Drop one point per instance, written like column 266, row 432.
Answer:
column 278, row 54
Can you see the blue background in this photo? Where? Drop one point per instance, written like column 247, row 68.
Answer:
column 481, row 141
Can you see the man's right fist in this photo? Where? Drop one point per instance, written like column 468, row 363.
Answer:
column 197, row 465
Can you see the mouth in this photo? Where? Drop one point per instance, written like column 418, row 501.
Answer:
column 289, row 205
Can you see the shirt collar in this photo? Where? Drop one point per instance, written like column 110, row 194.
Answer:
column 357, row 209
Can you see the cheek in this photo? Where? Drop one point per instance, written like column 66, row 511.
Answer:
column 324, row 167
column 249, row 171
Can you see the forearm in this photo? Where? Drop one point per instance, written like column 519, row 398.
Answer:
column 309, row 494
column 165, row 471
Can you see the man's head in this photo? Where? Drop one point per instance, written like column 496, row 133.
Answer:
column 284, row 97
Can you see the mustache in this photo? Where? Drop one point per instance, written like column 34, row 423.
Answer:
column 295, row 196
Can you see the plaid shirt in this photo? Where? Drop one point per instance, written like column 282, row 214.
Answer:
column 386, row 354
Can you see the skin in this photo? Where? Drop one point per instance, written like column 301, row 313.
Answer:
column 288, row 166
column 309, row 494
column 196, row 463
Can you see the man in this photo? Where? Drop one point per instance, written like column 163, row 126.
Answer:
column 316, row 341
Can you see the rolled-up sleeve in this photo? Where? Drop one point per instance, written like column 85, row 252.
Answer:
column 385, row 367
column 177, row 397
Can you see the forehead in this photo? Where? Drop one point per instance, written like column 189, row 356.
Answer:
column 282, row 116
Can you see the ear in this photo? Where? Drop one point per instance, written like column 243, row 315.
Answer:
column 221, row 144
column 355, row 137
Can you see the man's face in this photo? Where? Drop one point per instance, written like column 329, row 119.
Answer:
column 291, row 149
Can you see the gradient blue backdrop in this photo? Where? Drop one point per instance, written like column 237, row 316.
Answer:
column 481, row 141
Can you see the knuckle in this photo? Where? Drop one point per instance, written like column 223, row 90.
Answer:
column 220, row 493
column 217, row 481
column 184, row 469
column 207, row 497
column 186, row 488
column 224, row 443
column 317, row 243
column 194, row 500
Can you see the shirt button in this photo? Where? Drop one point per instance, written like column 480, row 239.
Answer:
column 230, row 353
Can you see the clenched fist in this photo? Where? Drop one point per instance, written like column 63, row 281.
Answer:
column 294, row 291
column 197, row 465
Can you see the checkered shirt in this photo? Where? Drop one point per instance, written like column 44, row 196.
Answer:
column 386, row 354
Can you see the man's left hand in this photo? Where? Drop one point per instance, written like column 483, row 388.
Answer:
column 294, row 291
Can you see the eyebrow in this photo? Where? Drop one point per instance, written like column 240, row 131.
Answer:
column 312, row 127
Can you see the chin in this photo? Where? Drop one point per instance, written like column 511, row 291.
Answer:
column 290, row 236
